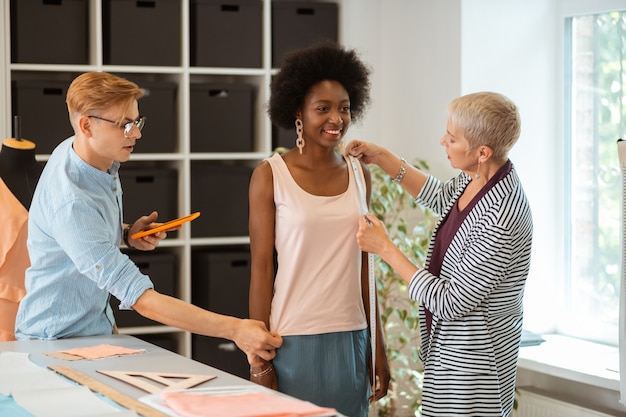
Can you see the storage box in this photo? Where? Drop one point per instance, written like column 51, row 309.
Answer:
column 161, row 268
column 142, row 32
column 219, row 353
column 283, row 138
column 159, row 105
column 226, row 33
column 163, row 340
column 49, row 32
column 298, row 24
column 44, row 120
column 221, row 118
column 220, row 283
column 220, row 193
column 147, row 190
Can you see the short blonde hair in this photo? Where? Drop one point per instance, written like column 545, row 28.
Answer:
column 487, row 118
column 96, row 91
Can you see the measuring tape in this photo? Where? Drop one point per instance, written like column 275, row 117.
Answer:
column 370, row 270
column 109, row 392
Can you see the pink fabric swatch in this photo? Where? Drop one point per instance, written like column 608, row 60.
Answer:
column 256, row 404
column 101, row 351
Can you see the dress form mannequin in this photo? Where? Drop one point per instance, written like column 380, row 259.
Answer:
column 18, row 168
column 17, row 183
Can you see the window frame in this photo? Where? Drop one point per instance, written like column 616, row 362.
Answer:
column 590, row 329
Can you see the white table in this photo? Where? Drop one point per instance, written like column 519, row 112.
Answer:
column 154, row 359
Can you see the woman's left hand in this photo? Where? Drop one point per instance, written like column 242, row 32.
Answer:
column 382, row 375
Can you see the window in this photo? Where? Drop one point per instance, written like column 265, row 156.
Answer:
column 595, row 119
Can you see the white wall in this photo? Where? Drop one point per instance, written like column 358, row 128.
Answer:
column 516, row 47
column 414, row 49
column 425, row 53
column 513, row 47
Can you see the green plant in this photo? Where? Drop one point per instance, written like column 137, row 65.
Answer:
column 409, row 227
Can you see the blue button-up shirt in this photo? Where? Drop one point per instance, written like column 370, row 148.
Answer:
column 74, row 232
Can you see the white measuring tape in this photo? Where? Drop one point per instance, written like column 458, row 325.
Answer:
column 372, row 277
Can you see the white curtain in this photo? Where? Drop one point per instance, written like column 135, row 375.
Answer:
column 621, row 150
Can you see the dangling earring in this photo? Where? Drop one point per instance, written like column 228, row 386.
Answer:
column 300, row 139
column 477, row 175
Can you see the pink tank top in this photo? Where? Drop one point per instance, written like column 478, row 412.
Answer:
column 318, row 286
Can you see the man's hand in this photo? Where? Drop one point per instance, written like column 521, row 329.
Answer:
column 253, row 338
column 149, row 242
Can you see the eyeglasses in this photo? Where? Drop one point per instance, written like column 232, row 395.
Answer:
column 128, row 127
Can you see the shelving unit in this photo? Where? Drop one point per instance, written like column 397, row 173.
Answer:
column 184, row 76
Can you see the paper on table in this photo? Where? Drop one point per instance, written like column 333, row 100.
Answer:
column 101, row 351
column 75, row 401
column 9, row 408
column 19, row 373
column 45, row 393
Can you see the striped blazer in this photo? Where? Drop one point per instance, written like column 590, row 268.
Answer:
column 470, row 355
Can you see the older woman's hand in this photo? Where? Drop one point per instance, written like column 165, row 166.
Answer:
column 365, row 151
column 372, row 236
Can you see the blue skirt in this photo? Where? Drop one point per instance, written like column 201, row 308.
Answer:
column 329, row 370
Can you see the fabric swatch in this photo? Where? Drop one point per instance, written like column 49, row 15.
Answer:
column 258, row 404
column 101, row 351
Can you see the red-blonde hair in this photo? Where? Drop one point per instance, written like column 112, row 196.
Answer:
column 98, row 91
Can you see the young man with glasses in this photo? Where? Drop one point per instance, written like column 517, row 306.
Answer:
column 76, row 229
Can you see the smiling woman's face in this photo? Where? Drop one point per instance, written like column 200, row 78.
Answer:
column 326, row 114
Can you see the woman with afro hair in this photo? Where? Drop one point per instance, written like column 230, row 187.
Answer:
column 304, row 209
